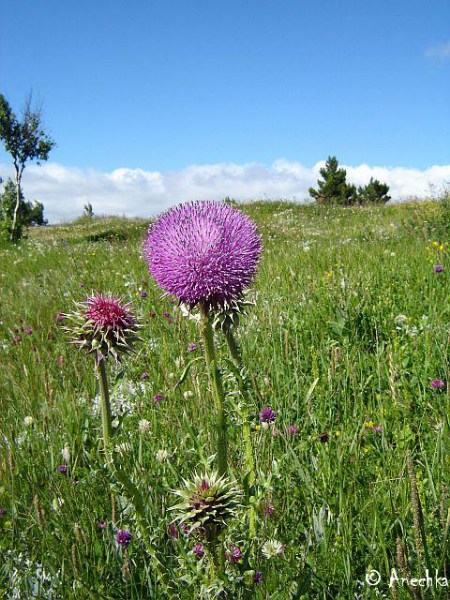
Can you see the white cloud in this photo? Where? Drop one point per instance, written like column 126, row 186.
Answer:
column 135, row 192
column 438, row 51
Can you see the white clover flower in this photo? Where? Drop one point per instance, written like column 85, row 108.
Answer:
column 188, row 394
column 272, row 548
column 162, row 456
column 400, row 319
column 28, row 421
column 65, row 453
column 144, row 426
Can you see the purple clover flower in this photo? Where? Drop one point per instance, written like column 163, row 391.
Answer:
column 63, row 469
column 267, row 415
column 102, row 524
column 437, row 384
column 143, row 294
column 438, row 268
column 203, row 253
column 158, row 397
column 292, row 429
column 234, row 555
column 198, row 550
column 123, row 537
column 192, row 346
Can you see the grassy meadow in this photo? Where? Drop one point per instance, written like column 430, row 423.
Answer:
column 348, row 341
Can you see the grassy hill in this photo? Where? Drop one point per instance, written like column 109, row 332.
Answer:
column 348, row 341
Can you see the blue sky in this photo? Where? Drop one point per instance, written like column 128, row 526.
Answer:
column 159, row 86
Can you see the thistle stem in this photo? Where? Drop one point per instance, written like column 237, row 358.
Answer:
column 132, row 493
column 216, row 381
column 105, row 402
column 246, row 432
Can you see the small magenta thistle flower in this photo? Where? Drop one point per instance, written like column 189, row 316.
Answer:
column 292, row 430
column 203, row 253
column 267, row 415
column 63, row 469
column 103, row 324
column 438, row 268
column 123, row 537
column 257, row 577
column 437, row 384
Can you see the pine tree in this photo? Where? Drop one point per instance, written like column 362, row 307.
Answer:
column 333, row 188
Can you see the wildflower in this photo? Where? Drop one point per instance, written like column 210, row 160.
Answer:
column 102, row 524
column 203, row 253
column 324, row 437
column 369, row 424
column 438, row 268
column 188, row 394
column 272, row 548
column 257, row 577
column 144, row 426
column 437, row 384
column 234, row 555
column 198, row 550
column 162, row 456
column 63, row 469
column 158, row 397
column 2, row 512
column 29, row 330
column 400, row 319
column 123, row 537
column 191, row 347
column 152, row 314
column 269, row 510
column 65, row 452
column 143, row 294
column 377, row 428
column 145, row 376
column 173, row 531
column 28, row 421
column 267, row 415
column 103, row 324
column 292, row 429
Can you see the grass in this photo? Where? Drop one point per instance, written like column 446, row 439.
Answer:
column 325, row 348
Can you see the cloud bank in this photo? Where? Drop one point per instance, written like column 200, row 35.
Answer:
column 135, row 192
column 438, row 51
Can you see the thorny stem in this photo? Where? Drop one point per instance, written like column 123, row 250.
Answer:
column 216, row 380
column 132, row 493
column 246, row 432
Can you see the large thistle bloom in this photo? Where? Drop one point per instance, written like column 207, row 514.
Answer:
column 204, row 253
column 103, row 324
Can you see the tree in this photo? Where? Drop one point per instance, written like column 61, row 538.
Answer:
column 333, row 188
column 25, row 141
column 28, row 214
column 374, row 192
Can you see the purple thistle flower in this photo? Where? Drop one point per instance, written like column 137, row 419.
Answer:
column 234, row 555
column 292, row 430
column 198, row 550
column 107, row 312
column 158, row 397
column 267, row 415
column 123, row 537
column 203, row 253
column 438, row 268
column 257, row 577
column 437, row 384
column 63, row 469
column 143, row 294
